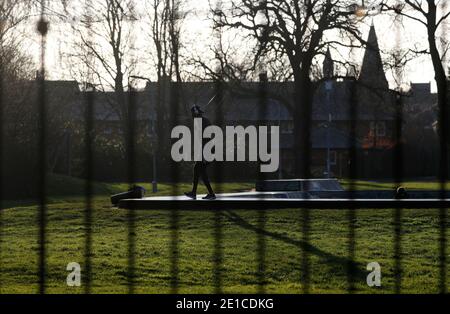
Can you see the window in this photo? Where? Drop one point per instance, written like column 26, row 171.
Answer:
column 333, row 157
column 287, row 127
column 372, row 128
column 381, row 129
column 378, row 129
column 108, row 131
column 151, row 128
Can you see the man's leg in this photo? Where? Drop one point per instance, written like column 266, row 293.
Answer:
column 205, row 179
column 197, row 172
column 196, row 175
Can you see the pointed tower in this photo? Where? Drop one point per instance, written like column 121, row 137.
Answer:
column 328, row 65
column 372, row 72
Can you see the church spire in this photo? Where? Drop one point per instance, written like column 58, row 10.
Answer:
column 372, row 71
column 328, row 65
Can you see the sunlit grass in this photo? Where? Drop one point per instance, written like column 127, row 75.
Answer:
column 409, row 185
column 327, row 250
column 282, row 233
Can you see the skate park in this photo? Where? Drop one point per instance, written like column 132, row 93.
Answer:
column 283, row 194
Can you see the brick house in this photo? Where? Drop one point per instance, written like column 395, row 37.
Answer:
column 367, row 93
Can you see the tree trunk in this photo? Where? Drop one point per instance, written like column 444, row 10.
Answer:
column 441, row 81
column 161, row 121
column 303, row 98
column 119, row 92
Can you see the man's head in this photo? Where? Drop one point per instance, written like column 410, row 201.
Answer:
column 196, row 111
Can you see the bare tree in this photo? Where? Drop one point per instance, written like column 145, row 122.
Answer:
column 15, row 66
column 166, row 18
column 12, row 14
column 432, row 15
column 287, row 37
column 105, row 48
column 20, row 88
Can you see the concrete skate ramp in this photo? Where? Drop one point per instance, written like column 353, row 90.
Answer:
column 235, row 203
column 298, row 185
column 281, row 194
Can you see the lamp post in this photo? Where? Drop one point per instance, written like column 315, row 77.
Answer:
column 328, row 88
column 154, row 180
column 280, row 170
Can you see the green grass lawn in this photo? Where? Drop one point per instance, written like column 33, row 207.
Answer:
column 282, row 233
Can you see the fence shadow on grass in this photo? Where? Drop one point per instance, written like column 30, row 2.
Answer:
column 337, row 262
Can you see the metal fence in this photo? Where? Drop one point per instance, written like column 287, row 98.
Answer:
column 350, row 206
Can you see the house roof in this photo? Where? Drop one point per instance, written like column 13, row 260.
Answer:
column 372, row 70
column 322, row 138
column 61, row 95
column 106, row 108
column 331, row 98
column 419, row 95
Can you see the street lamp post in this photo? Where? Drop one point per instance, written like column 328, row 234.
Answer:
column 154, row 180
column 280, row 170
column 328, row 88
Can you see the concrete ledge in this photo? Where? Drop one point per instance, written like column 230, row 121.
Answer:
column 225, row 203
column 296, row 185
column 377, row 194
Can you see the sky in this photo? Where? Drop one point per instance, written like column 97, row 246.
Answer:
column 197, row 29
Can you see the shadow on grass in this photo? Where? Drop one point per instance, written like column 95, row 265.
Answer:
column 369, row 186
column 19, row 203
column 338, row 263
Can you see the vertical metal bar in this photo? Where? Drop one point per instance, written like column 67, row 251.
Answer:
column 175, row 87
column 131, row 163
column 219, row 117
column 353, row 173
column 89, row 142
column 303, row 99
column 398, row 159
column 306, row 212
column 351, row 213
column 174, row 214
column 42, row 27
column 262, row 121
column 218, row 230
column 261, row 241
column 1, row 153
column 444, row 140
column 304, row 95
column 132, row 127
column 398, row 165
column 89, row 139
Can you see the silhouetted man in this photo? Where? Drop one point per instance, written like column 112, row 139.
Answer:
column 200, row 166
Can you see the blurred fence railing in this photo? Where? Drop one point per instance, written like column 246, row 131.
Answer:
column 218, row 258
